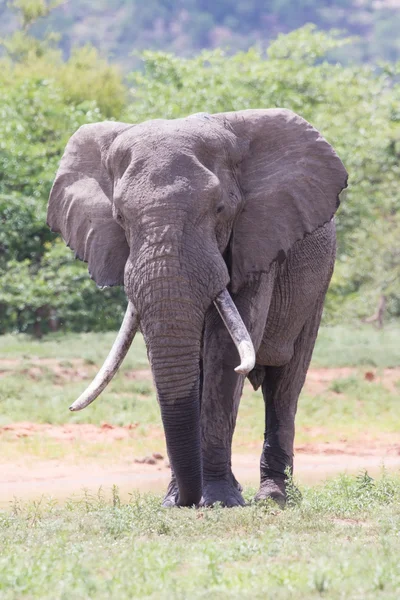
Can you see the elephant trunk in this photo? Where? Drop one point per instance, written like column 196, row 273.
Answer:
column 173, row 332
column 172, row 312
column 175, row 362
column 127, row 332
column 172, row 305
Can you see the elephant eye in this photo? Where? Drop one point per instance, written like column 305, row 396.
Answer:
column 220, row 208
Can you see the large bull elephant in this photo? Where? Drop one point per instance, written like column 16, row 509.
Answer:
column 220, row 228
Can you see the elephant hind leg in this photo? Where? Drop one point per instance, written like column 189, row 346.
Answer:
column 281, row 388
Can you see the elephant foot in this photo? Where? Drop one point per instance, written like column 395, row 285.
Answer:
column 171, row 497
column 236, row 483
column 273, row 489
column 228, row 493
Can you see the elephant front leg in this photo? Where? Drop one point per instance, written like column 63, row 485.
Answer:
column 171, row 496
column 281, row 388
column 222, row 388
column 220, row 402
column 217, row 450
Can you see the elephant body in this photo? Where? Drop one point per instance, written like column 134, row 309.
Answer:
column 181, row 213
column 282, row 310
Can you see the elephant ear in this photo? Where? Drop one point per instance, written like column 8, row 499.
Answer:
column 80, row 203
column 290, row 178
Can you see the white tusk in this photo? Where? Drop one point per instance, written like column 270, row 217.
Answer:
column 237, row 330
column 113, row 361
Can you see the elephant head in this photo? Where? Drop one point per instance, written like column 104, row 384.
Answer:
column 177, row 211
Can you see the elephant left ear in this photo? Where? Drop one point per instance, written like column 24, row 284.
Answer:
column 80, row 203
column 290, row 178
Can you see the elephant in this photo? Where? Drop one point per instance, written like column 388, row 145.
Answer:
column 221, row 229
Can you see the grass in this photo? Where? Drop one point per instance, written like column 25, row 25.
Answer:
column 348, row 408
column 91, row 348
column 44, row 401
column 350, row 346
column 336, row 346
column 341, row 541
column 362, row 408
column 35, row 391
column 106, row 452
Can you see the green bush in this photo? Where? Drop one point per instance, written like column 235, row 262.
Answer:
column 44, row 99
column 355, row 107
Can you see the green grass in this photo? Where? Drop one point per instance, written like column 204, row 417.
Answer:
column 341, row 541
column 45, row 396
column 365, row 408
column 42, row 401
column 347, row 407
column 350, row 346
column 92, row 348
column 336, row 346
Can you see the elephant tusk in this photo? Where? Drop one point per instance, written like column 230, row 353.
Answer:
column 237, row 330
column 113, row 361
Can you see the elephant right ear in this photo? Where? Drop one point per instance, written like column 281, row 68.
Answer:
column 290, row 178
column 80, row 203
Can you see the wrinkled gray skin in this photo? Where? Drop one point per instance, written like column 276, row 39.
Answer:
column 176, row 211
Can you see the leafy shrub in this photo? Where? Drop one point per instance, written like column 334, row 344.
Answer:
column 44, row 99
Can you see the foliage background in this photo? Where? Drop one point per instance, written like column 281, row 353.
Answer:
column 45, row 97
column 187, row 26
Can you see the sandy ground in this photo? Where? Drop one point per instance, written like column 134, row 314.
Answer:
column 58, row 480
column 313, row 463
column 61, row 479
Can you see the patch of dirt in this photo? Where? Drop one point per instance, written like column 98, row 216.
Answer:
column 349, row 522
column 139, row 374
column 61, row 371
column 319, row 380
column 389, row 446
column 36, row 368
column 81, row 432
column 67, row 370
column 367, row 445
column 30, row 478
column 58, row 479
